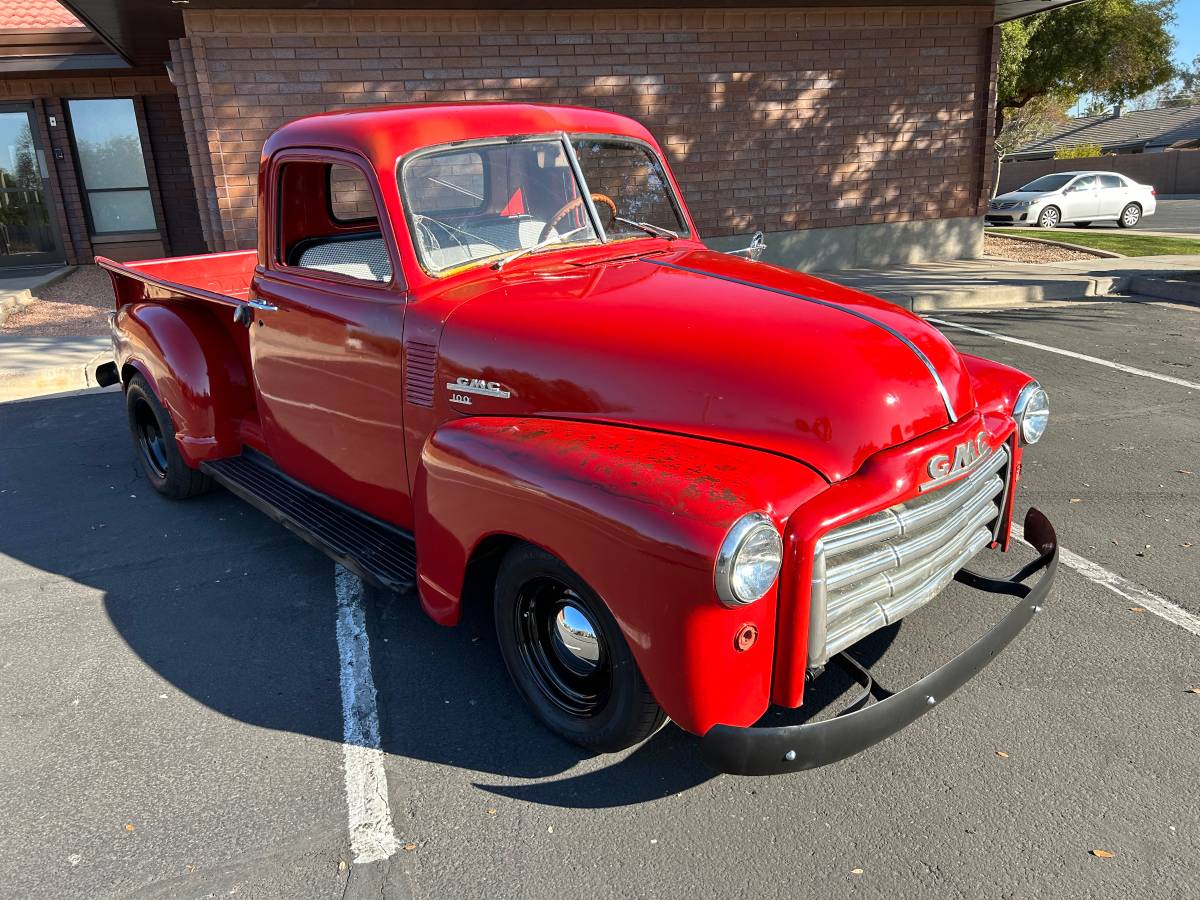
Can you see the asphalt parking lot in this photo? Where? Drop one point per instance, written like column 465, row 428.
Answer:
column 172, row 720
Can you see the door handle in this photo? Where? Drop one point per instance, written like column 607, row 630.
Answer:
column 243, row 315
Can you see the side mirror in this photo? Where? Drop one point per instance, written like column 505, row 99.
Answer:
column 757, row 245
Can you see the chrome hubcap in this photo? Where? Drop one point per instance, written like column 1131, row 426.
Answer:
column 1131, row 216
column 574, row 640
column 561, row 647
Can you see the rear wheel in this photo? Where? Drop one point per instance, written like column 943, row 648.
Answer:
column 1130, row 216
column 154, row 440
column 1049, row 217
column 567, row 656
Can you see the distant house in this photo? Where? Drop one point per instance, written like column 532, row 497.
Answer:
column 1139, row 131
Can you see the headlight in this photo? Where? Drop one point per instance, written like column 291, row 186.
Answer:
column 1032, row 412
column 749, row 560
column 1024, row 204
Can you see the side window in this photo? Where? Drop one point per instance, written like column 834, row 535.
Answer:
column 1111, row 181
column 1087, row 183
column 328, row 221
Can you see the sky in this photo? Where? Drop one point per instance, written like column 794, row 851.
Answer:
column 1187, row 31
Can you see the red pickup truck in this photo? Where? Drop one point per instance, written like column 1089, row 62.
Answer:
column 481, row 348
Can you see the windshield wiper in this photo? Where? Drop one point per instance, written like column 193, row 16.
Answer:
column 550, row 239
column 649, row 229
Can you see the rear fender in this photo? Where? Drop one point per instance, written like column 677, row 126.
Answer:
column 194, row 370
column 639, row 515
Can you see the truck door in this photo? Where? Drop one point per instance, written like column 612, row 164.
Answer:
column 327, row 359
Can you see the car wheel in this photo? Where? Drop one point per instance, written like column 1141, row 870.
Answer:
column 1049, row 217
column 567, row 656
column 1130, row 216
column 1082, row 224
column 154, row 441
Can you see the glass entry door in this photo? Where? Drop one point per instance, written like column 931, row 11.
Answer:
column 28, row 236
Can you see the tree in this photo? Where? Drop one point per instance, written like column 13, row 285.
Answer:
column 1114, row 50
column 1078, row 151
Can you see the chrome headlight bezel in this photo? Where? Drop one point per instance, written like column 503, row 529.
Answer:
column 752, row 526
column 1032, row 407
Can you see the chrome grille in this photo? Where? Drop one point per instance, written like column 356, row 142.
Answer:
column 879, row 569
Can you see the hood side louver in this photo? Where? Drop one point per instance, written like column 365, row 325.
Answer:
column 420, row 370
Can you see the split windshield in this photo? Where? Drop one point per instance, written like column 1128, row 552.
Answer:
column 482, row 202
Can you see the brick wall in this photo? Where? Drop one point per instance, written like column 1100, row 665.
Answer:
column 772, row 119
column 157, row 107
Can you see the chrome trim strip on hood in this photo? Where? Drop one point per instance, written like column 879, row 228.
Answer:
column 916, row 351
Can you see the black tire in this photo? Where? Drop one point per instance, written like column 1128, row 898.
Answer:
column 1082, row 224
column 1049, row 217
column 602, row 705
column 1130, row 215
column 154, row 443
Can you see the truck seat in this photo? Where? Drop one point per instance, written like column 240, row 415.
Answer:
column 365, row 258
column 446, row 245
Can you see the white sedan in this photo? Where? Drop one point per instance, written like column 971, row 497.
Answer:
column 1079, row 198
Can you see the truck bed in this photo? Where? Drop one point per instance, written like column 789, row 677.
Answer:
column 215, row 277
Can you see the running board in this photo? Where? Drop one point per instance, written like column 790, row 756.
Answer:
column 376, row 552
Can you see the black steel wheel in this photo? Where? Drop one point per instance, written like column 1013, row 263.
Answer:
column 567, row 656
column 154, row 441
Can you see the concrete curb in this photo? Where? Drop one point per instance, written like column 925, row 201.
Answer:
column 11, row 301
column 1010, row 296
column 1165, row 289
column 22, row 385
column 1050, row 242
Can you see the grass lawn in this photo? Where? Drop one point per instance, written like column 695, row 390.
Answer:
column 1126, row 243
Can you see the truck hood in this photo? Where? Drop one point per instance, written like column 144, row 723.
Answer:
column 705, row 344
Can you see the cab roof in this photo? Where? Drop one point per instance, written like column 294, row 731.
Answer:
column 384, row 133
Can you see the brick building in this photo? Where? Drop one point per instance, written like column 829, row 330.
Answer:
column 850, row 133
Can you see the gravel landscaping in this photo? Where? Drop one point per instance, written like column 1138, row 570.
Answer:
column 76, row 306
column 1024, row 251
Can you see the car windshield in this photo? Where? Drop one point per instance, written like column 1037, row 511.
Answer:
column 481, row 202
column 1047, row 183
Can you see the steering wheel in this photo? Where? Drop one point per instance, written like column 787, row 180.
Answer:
column 575, row 204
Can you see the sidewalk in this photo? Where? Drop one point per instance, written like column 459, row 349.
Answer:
column 34, row 366
column 989, row 283
column 16, row 291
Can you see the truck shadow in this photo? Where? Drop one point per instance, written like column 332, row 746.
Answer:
column 232, row 611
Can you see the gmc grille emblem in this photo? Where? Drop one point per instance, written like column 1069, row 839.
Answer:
column 945, row 467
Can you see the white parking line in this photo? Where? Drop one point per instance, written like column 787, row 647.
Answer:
column 372, row 833
column 1120, row 367
column 1122, row 587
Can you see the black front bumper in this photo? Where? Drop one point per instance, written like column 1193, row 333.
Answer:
column 790, row 748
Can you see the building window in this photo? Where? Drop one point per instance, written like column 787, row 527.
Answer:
column 109, row 150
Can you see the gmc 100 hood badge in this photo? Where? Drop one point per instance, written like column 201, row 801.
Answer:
column 463, row 385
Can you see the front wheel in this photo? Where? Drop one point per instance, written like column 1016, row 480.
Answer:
column 567, row 656
column 1049, row 217
column 154, row 441
column 1130, row 216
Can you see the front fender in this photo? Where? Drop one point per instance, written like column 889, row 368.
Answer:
column 194, row 370
column 639, row 515
column 996, row 385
